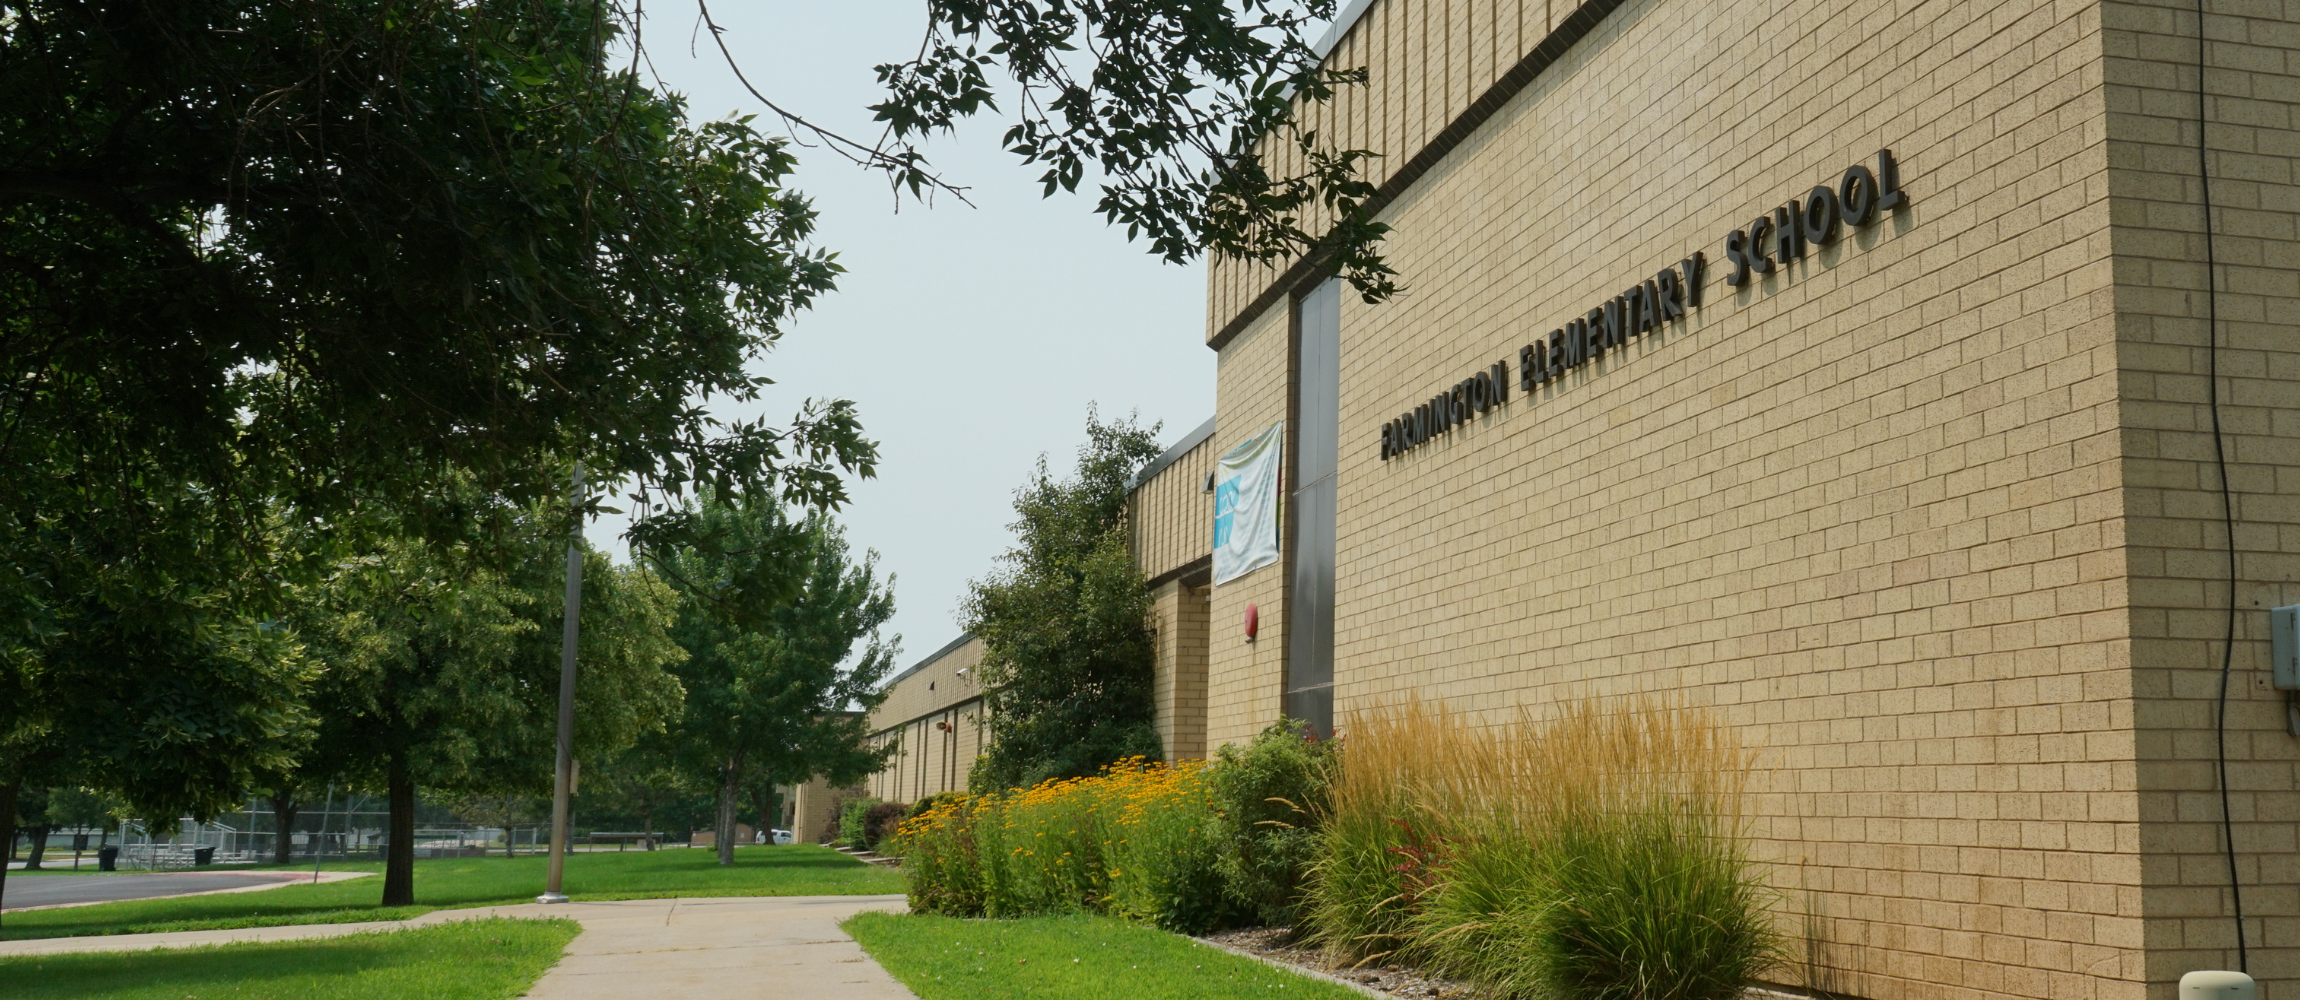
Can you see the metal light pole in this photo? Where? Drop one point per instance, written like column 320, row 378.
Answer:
column 319, row 840
column 560, row 783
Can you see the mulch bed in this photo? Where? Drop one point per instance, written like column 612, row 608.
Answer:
column 1278, row 944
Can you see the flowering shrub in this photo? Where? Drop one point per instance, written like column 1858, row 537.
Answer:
column 937, row 849
column 1190, row 846
column 1162, row 846
column 1135, row 841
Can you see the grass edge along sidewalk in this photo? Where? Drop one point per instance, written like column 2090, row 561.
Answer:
column 464, row 960
column 789, row 870
column 1070, row 955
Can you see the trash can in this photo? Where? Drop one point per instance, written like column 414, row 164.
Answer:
column 108, row 858
column 203, row 856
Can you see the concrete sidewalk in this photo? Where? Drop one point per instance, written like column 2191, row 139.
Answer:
column 630, row 949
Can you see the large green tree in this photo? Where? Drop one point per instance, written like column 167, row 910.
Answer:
column 440, row 670
column 1065, row 623
column 302, row 258
column 645, row 783
column 148, row 684
column 366, row 241
column 331, row 248
column 777, row 689
column 297, row 260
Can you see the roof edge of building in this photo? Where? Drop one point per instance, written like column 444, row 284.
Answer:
column 1570, row 30
column 1171, row 455
column 1342, row 23
column 946, row 650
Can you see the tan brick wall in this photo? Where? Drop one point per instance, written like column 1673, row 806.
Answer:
column 1171, row 516
column 1933, row 514
column 947, row 679
column 933, row 754
column 1179, row 686
column 933, row 715
column 1242, row 680
column 1426, row 62
column 1875, row 509
column 2177, row 542
column 814, row 816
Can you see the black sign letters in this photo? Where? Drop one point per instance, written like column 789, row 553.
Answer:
column 1774, row 238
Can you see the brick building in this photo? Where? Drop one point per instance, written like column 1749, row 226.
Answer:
column 1929, row 503
column 933, row 716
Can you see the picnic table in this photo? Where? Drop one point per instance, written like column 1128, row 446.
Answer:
column 624, row 838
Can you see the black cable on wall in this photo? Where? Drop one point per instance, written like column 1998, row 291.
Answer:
column 2227, row 499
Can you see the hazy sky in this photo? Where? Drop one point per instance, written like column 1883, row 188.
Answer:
column 972, row 339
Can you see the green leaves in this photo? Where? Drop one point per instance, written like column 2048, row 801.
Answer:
column 356, row 271
column 449, row 661
column 775, row 610
column 331, row 250
column 1185, row 108
column 1065, row 624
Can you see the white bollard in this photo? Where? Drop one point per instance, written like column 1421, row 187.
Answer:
column 2217, row 985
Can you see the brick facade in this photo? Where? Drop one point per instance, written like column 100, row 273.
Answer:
column 1932, row 513
column 933, row 715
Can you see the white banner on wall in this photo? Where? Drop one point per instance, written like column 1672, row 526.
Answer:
column 1246, row 505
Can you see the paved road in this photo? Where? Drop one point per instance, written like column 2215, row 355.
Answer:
column 48, row 890
column 736, row 946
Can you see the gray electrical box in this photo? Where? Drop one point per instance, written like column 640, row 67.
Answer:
column 2284, row 646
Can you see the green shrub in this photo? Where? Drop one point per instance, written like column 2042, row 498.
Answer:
column 879, row 823
column 853, row 821
column 1653, row 906
column 1268, row 797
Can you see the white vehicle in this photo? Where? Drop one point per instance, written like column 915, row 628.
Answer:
column 784, row 837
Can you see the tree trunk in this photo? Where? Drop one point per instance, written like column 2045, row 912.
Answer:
column 647, row 823
column 8, row 829
column 770, row 807
column 39, row 846
column 399, row 849
column 726, row 835
column 283, row 822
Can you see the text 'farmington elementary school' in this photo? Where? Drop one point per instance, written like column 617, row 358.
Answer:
column 1916, row 384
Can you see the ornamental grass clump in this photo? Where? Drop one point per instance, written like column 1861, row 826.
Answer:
column 854, row 821
column 1595, row 855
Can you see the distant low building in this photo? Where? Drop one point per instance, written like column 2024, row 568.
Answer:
column 933, row 716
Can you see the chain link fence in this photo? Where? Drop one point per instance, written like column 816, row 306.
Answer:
column 350, row 828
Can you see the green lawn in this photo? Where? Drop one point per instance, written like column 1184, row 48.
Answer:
column 478, row 960
column 945, row 958
column 791, row 870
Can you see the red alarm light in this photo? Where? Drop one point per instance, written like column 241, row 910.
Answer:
column 1253, row 621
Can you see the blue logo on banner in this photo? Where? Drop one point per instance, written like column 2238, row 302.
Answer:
column 1225, row 511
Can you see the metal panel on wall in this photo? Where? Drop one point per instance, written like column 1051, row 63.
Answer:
column 1310, row 587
